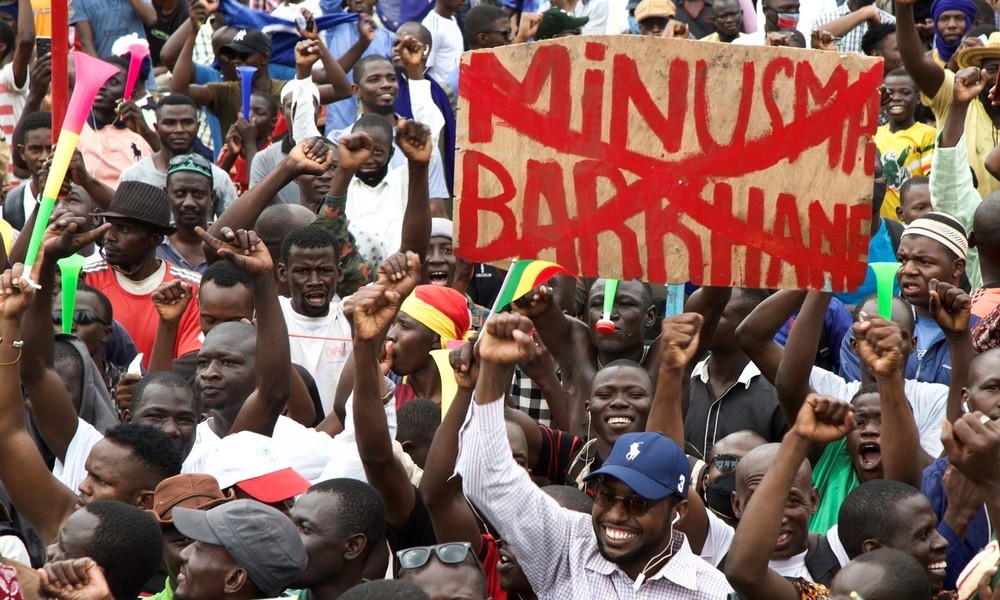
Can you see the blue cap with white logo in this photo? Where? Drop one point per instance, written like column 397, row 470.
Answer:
column 650, row 463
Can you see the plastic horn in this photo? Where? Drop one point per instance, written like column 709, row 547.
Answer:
column 91, row 73
column 70, row 269
column 885, row 279
column 246, row 87
column 606, row 325
column 675, row 299
column 138, row 53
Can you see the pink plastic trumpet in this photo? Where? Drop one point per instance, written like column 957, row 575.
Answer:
column 138, row 53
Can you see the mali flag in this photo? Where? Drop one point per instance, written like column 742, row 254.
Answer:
column 524, row 275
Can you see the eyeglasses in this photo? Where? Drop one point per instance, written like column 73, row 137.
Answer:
column 80, row 317
column 452, row 553
column 635, row 505
column 726, row 463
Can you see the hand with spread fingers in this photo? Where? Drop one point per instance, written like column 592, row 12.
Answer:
column 242, row 248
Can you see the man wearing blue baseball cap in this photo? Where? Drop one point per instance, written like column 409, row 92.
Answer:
column 628, row 545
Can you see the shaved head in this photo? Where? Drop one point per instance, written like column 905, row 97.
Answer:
column 986, row 222
column 739, row 442
column 281, row 219
column 756, row 463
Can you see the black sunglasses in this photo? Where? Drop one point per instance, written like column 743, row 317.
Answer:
column 636, row 505
column 80, row 317
column 726, row 463
column 452, row 553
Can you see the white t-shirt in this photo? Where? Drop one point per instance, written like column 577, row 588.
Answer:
column 11, row 104
column 73, row 470
column 929, row 402
column 447, row 45
column 321, row 345
column 12, row 548
column 347, row 461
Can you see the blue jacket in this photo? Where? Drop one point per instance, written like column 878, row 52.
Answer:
column 930, row 361
column 977, row 535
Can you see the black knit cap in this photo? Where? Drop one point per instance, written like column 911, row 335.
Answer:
column 141, row 202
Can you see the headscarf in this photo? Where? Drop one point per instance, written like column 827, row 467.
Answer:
column 441, row 309
column 944, row 49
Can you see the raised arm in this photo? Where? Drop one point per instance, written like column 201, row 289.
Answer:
column 311, row 157
column 25, row 42
column 40, row 498
column 171, row 300
column 366, row 34
column 841, row 26
column 879, row 346
column 496, row 485
column 375, row 308
column 453, row 518
column 756, row 332
column 414, row 139
column 680, row 339
column 951, row 185
column 145, row 11
column 821, row 420
column 411, row 54
column 951, row 308
column 710, row 303
column 928, row 75
column 51, row 405
column 182, row 76
column 792, row 381
column 273, row 358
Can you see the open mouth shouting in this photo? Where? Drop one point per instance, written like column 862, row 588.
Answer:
column 869, row 455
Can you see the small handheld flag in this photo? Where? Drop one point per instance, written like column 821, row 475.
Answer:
column 522, row 277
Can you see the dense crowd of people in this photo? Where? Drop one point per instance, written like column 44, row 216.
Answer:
column 272, row 377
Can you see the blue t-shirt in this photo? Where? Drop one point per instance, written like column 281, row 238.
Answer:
column 879, row 250
column 339, row 39
column 109, row 20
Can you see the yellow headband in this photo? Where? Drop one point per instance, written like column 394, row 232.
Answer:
column 430, row 317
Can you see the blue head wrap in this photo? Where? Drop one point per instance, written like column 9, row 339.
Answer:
column 944, row 49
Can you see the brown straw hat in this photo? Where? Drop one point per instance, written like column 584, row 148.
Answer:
column 141, row 202
column 187, row 490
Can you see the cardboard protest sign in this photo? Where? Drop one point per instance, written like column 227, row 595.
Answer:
column 669, row 160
